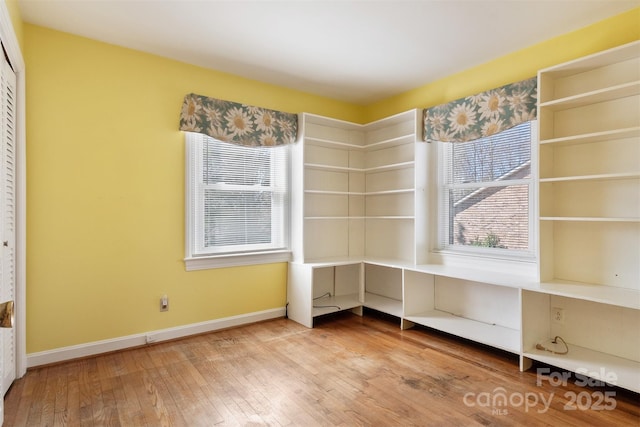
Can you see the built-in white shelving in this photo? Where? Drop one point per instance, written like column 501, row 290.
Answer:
column 353, row 197
column 487, row 333
column 364, row 213
column 383, row 304
column 615, row 134
column 589, row 194
column 593, row 97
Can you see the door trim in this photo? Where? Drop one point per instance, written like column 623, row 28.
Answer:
column 10, row 41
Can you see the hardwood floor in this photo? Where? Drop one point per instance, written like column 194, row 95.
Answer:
column 347, row 371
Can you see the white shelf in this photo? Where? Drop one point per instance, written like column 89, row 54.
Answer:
column 593, row 97
column 385, row 168
column 383, row 304
column 320, row 142
column 361, row 217
column 621, row 297
column 390, row 217
column 488, row 276
column 588, row 219
column 333, row 217
column 391, row 142
column 334, row 193
column 333, row 304
column 493, row 335
column 329, row 168
column 632, row 132
column 595, row 60
column 595, row 177
column 392, row 263
column 332, row 262
column 385, row 192
column 377, row 169
column 580, row 359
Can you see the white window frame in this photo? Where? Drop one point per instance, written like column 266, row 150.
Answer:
column 479, row 252
column 197, row 257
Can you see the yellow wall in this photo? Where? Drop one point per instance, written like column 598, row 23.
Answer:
column 525, row 63
column 16, row 20
column 105, row 170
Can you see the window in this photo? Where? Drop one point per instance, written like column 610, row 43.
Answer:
column 237, row 203
column 486, row 192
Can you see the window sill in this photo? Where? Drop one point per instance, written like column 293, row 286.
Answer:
column 523, row 264
column 235, row 260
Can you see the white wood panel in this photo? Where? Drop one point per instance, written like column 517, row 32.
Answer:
column 383, row 281
column 592, row 325
column 390, row 239
column 493, row 305
column 609, row 198
column 326, row 205
column 603, row 157
column 607, row 75
column 337, row 131
column 598, row 253
column 390, row 180
column 326, row 238
column 394, row 204
column 327, row 156
column 620, row 113
column 326, row 180
column 418, row 292
column 396, row 154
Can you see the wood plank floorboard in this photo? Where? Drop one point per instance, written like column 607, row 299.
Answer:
column 347, row 371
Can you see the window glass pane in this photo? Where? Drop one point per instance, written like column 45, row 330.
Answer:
column 500, row 157
column 234, row 164
column 493, row 217
column 485, row 200
column 237, row 218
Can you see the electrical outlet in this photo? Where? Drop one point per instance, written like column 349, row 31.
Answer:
column 164, row 303
column 557, row 315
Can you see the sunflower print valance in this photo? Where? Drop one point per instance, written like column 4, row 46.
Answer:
column 237, row 123
column 482, row 115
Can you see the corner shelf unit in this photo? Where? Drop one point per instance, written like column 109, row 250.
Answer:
column 363, row 210
column 354, row 188
column 354, row 196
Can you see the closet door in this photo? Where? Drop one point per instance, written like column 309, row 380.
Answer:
column 7, row 217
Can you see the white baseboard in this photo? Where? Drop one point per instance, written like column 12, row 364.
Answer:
column 121, row 343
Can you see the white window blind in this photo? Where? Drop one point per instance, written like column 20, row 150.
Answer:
column 239, row 197
column 486, row 192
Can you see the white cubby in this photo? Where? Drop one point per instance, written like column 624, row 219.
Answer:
column 383, row 289
column 600, row 337
column 319, row 289
column 485, row 313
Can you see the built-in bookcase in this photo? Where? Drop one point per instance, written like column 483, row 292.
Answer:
column 589, row 119
column 354, row 198
column 589, row 195
column 364, row 213
column 328, row 190
column 354, row 189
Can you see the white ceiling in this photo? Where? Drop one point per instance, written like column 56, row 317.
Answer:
column 359, row 51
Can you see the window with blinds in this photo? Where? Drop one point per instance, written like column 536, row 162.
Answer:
column 238, row 197
column 486, row 191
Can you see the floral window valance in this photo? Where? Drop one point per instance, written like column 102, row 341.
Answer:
column 237, row 123
column 482, row 115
